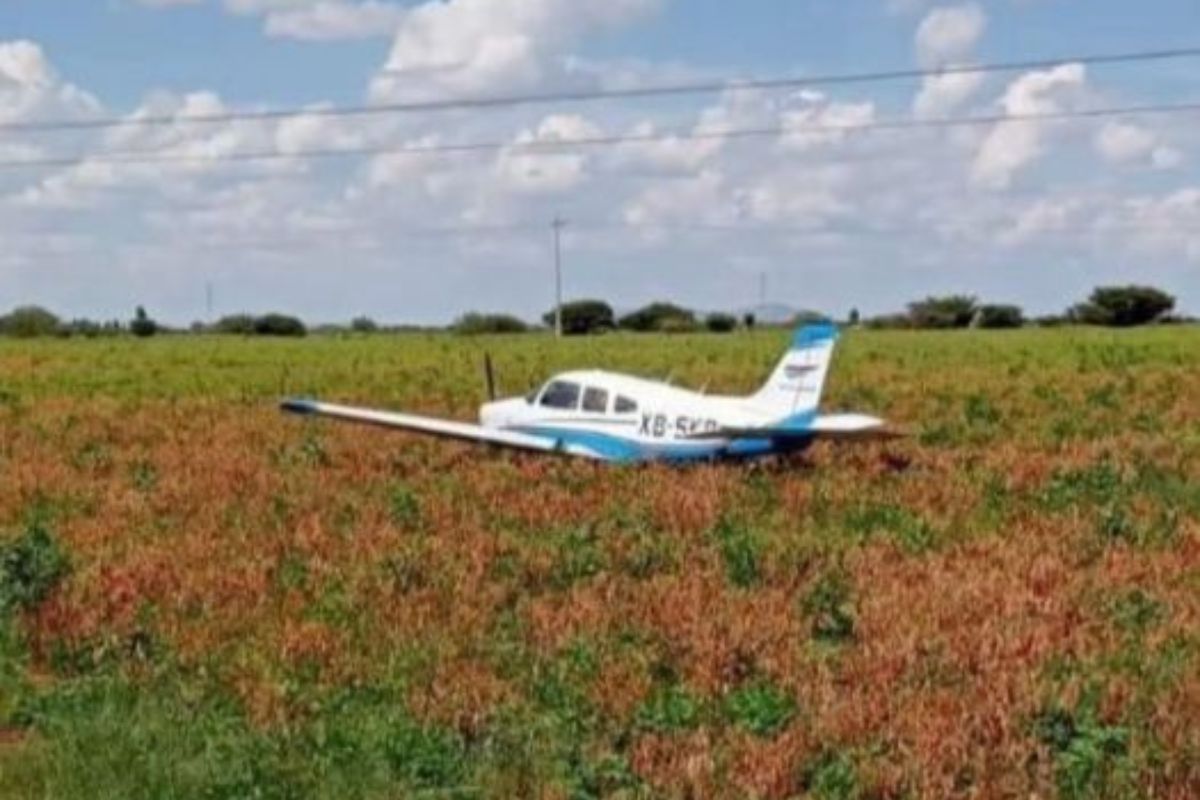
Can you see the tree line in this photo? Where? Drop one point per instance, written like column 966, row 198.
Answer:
column 28, row 322
column 1112, row 306
column 1109, row 306
column 583, row 317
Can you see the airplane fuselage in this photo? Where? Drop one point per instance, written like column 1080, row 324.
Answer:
column 625, row 418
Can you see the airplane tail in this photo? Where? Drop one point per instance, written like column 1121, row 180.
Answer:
column 794, row 388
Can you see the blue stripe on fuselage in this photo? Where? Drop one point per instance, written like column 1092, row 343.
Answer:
column 623, row 450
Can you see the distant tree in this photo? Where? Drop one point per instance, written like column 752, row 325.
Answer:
column 1176, row 319
column 999, row 316
column 890, row 322
column 364, row 325
column 474, row 324
column 659, row 317
column 28, row 322
column 749, row 320
column 721, row 323
column 1051, row 321
column 279, row 325
column 1123, row 306
column 855, row 318
column 583, row 317
column 142, row 326
column 678, row 325
column 86, row 328
column 235, row 324
column 951, row 311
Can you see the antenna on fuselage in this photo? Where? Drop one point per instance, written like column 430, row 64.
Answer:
column 489, row 377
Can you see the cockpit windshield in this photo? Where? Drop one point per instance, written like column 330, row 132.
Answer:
column 561, row 395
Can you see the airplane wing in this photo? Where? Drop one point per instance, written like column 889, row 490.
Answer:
column 837, row 427
column 435, row 427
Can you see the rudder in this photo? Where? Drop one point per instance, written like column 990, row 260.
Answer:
column 794, row 388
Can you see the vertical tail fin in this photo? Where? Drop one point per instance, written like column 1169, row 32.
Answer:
column 794, row 388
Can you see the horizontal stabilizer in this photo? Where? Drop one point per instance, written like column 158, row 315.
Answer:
column 839, row 427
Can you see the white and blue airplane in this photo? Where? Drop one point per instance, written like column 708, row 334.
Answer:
column 607, row 416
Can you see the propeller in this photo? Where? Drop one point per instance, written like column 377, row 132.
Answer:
column 489, row 377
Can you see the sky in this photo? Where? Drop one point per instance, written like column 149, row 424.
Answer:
column 1033, row 212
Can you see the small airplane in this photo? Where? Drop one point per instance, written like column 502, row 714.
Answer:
column 611, row 417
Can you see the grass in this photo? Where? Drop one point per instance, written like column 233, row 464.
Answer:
column 202, row 598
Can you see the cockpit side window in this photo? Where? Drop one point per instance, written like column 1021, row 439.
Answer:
column 625, row 406
column 561, row 395
column 595, row 401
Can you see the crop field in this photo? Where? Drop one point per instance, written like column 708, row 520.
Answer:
column 201, row 598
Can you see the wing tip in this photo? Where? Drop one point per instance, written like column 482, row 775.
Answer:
column 295, row 405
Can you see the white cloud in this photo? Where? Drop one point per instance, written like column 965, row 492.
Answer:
column 522, row 171
column 311, row 20
column 663, row 153
column 185, row 152
column 1127, row 143
column 30, row 88
column 698, row 199
column 1114, row 224
column 947, row 37
column 816, row 112
column 1012, row 146
column 748, row 108
column 406, row 169
column 810, row 118
column 1122, row 142
column 1166, row 158
column 941, row 95
column 805, row 198
column 319, row 132
column 23, row 64
column 472, row 46
column 949, row 34
column 1044, row 215
column 1161, row 224
column 335, row 20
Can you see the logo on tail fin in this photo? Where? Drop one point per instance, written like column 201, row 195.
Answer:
column 795, row 372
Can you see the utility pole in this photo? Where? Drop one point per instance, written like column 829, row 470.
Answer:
column 558, row 225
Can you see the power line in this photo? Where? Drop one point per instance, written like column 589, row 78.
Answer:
column 589, row 95
column 566, row 144
column 1108, row 226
